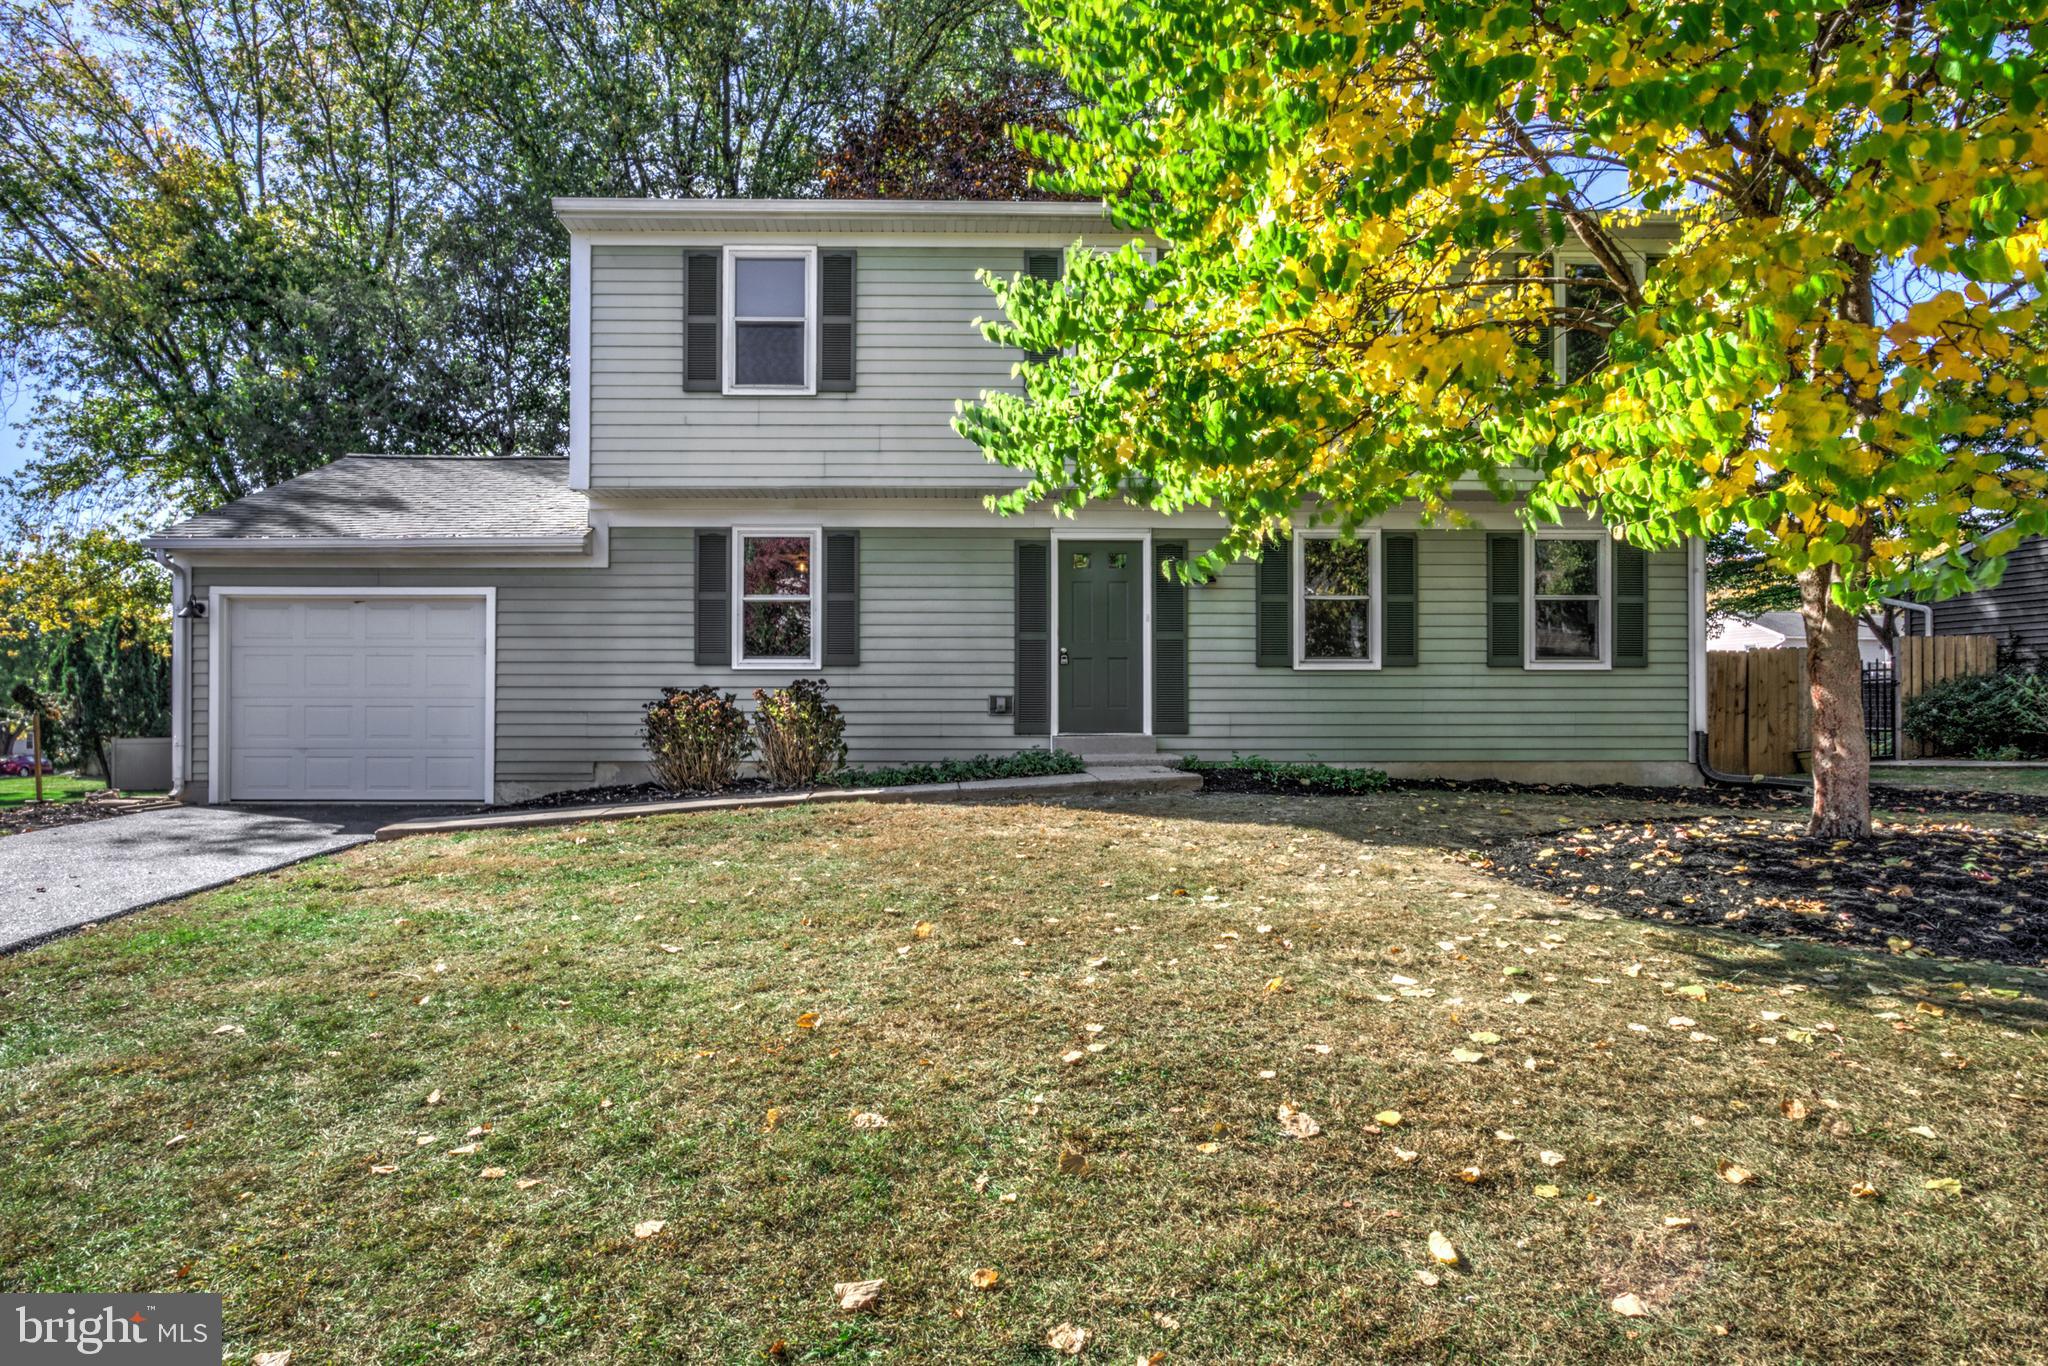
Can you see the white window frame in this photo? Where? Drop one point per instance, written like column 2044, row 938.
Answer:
column 740, row 536
column 729, row 319
column 1375, row 603
column 1603, row 623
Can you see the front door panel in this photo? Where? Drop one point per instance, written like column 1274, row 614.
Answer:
column 1101, row 665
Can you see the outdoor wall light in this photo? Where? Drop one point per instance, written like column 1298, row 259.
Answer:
column 193, row 608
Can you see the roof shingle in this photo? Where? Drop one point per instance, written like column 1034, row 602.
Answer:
column 398, row 499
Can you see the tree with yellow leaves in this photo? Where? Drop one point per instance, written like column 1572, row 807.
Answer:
column 1793, row 255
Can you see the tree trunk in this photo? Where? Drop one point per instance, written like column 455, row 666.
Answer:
column 1841, row 751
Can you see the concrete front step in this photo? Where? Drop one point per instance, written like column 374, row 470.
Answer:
column 1122, row 780
column 1111, row 751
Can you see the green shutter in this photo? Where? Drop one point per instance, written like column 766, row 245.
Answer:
column 1631, row 607
column 714, row 599
column 702, row 346
column 1276, row 604
column 1048, row 266
column 1399, row 626
column 842, row 599
column 835, row 322
column 1504, row 599
column 1032, row 706
column 1169, row 641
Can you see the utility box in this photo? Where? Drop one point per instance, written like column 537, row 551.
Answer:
column 140, row 764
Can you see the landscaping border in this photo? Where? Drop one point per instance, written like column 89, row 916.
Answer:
column 1093, row 782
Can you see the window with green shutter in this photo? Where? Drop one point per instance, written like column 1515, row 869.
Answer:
column 1400, row 625
column 1274, row 579
column 1504, row 600
column 1631, row 607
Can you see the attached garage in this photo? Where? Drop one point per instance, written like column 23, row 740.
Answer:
column 352, row 695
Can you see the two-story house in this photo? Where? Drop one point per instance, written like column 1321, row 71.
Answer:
column 763, row 483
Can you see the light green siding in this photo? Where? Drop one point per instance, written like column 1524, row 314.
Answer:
column 1451, row 708
column 580, row 650
column 917, row 352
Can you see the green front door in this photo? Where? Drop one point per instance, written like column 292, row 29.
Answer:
column 1101, row 664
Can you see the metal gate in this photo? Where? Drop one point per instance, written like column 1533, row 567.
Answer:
column 1881, row 710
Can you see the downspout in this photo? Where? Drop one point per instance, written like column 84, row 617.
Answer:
column 181, row 667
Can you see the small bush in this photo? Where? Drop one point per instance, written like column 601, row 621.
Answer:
column 1028, row 763
column 801, row 736
column 1249, row 771
column 1983, row 713
column 697, row 737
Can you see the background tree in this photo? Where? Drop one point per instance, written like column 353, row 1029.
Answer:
column 1363, row 202
column 238, row 239
column 964, row 145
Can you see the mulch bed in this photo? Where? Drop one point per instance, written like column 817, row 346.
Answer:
column 19, row 820
column 1945, row 890
column 1789, row 801
column 619, row 794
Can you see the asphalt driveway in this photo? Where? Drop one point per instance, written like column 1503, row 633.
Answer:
column 57, row 880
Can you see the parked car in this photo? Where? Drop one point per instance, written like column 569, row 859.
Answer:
column 22, row 766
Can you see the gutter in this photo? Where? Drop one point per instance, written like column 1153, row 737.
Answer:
column 370, row 545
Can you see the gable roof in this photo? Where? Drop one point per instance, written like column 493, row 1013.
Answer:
column 397, row 503
column 1061, row 219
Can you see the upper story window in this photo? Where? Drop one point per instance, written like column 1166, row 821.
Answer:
column 1568, row 600
column 771, row 319
column 775, row 612
column 1337, row 600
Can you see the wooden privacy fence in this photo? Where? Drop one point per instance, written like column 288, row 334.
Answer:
column 1758, row 711
column 1927, row 660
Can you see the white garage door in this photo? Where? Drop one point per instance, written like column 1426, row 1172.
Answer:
column 356, row 699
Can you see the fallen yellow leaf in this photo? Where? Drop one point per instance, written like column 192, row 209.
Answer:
column 1387, row 1118
column 1734, row 1175
column 807, row 1020
column 1442, row 1249
column 647, row 1228
column 1628, row 1306
column 986, row 1278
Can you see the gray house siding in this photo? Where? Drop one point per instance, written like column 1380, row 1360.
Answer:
column 580, row 650
column 917, row 352
column 2017, row 609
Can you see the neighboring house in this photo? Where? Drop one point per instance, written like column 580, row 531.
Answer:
column 1779, row 630
column 2016, row 611
column 763, row 483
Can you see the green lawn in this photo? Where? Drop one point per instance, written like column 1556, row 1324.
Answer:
column 2031, row 779
column 56, row 788
column 300, row 1092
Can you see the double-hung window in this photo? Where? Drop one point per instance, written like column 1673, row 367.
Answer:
column 775, row 613
column 1336, row 600
column 1568, row 574
column 771, row 311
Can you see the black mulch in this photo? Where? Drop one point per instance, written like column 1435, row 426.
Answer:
column 1786, row 800
column 621, row 793
column 1946, row 890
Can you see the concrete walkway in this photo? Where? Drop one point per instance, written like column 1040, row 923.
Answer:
column 52, row 881
column 1094, row 782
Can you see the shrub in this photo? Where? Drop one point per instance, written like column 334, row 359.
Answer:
column 1246, row 772
column 697, row 737
column 1025, row 763
column 801, row 736
column 1983, row 713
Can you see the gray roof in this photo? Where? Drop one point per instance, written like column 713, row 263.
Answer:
column 1056, row 221
column 395, row 500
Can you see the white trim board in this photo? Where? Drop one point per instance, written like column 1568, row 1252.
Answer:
column 1141, row 536
column 221, row 597
column 1297, row 582
column 736, row 596
column 579, row 362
